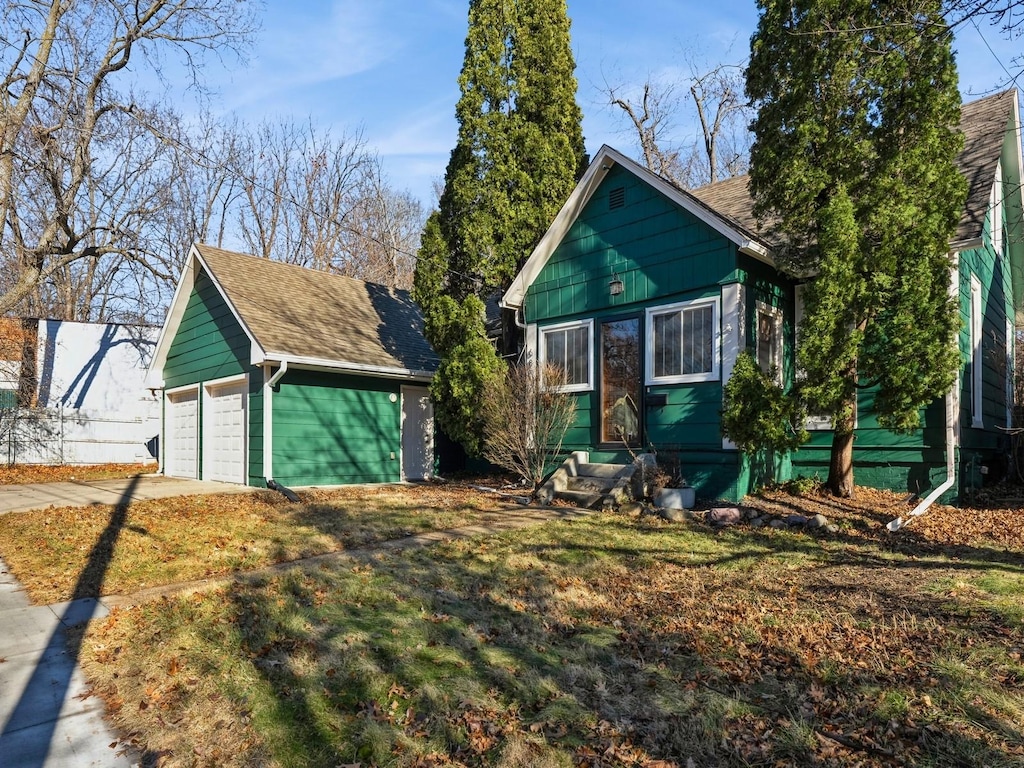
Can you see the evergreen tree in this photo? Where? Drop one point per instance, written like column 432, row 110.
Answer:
column 518, row 155
column 853, row 168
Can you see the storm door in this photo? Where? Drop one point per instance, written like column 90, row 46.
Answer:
column 620, row 381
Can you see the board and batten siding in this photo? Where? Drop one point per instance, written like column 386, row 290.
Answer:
column 332, row 429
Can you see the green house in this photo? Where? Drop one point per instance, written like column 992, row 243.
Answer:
column 646, row 293
column 274, row 371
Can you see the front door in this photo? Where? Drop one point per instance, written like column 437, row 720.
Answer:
column 620, row 381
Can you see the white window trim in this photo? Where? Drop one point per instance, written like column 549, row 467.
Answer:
column 543, row 350
column 1009, row 372
column 716, row 343
column 977, row 403
column 996, row 211
column 775, row 313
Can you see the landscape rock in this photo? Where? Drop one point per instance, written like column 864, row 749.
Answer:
column 632, row 508
column 818, row 521
column 724, row 516
column 776, row 523
column 795, row 520
column 759, row 522
column 678, row 515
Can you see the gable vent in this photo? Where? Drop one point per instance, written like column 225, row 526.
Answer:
column 616, row 198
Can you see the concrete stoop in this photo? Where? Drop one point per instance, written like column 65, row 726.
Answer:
column 588, row 484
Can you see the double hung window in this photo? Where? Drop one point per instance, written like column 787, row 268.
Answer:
column 570, row 346
column 683, row 342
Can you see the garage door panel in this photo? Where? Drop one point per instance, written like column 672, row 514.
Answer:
column 181, row 456
column 224, row 434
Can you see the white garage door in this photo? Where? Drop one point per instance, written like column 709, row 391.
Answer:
column 224, row 433
column 182, row 449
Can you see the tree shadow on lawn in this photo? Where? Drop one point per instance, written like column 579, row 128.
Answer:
column 452, row 654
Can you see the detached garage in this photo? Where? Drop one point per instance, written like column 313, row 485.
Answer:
column 274, row 371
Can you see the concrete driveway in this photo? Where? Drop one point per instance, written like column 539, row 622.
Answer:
column 20, row 498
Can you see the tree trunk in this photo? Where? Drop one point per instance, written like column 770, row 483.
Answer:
column 840, row 465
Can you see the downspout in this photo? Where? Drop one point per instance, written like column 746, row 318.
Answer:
column 920, row 509
column 269, row 382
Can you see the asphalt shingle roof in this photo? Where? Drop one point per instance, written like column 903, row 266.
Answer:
column 983, row 123
column 292, row 311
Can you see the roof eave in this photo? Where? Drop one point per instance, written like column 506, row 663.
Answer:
column 363, row 369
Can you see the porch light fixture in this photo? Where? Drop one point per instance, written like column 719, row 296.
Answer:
column 615, row 286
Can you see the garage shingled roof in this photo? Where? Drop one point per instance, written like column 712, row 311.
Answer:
column 291, row 311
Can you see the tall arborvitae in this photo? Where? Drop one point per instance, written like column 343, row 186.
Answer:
column 853, row 165
column 518, row 155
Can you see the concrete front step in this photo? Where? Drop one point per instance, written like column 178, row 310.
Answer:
column 588, row 484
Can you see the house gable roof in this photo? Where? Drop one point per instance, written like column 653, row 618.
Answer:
column 606, row 159
column 291, row 313
column 727, row 206
column 984, row 124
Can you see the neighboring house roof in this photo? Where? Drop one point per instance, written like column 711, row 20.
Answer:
column 308, row 317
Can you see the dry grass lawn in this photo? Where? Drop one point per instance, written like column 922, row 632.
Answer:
column 606, row 641
column 19, row 474
column 68, row 552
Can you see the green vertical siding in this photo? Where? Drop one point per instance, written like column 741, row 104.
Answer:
column 984, row 446
column 334, row 429
column 256, row 428
column 209, row 344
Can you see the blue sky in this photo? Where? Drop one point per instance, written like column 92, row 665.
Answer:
column 389, row 68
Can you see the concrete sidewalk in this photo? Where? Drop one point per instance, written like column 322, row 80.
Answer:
column 48, row 717
column 21, row 498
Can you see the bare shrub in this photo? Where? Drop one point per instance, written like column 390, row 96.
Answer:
column 526, row 416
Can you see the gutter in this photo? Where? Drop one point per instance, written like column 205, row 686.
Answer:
column 952, row 427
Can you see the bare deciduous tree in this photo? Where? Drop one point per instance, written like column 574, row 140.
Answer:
column 76, row 194
column 526, row 415
column 719, row 108
column 308, row 198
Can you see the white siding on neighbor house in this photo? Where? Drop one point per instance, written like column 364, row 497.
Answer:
column 93, row 405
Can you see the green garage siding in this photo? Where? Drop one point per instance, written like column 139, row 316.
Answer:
column 334, row 429
column 209, row 344
column 255, row 416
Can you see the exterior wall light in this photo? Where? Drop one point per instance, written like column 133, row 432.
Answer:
column 615, row 286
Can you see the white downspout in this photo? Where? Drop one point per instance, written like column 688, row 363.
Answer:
column 920, row 509
column 952, row 427
column 268, row 417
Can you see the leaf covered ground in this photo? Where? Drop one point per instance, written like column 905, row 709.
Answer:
column 19, row 474
column 606, row 641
